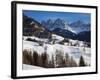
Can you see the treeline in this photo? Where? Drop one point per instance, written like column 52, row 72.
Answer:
column 58, row 60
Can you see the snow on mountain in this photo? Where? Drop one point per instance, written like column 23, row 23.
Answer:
column 54, row 36
column 75, row 27
column 59, row 27
column 70, row 29
column 64, row 33
column 80, row 26
column 58, row 23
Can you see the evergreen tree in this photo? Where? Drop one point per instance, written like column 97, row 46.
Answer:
column 27, row 57
column 35, row 58
column 73, row 63
column 40, row 61
column 30, row 58
column 81, row 62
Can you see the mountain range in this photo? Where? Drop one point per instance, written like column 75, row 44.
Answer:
column 77, row 30
column 75, row 27
column 58, row 23
column 80, row 26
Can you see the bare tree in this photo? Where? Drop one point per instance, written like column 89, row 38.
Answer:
column 59, row 58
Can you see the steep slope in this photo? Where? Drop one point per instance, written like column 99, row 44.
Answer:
column 84, row 36
column 32, row 27
column 64, row 33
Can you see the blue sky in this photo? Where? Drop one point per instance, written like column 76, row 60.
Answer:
column 68, row 16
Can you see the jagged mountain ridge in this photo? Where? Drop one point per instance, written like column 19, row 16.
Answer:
column 75, row 27
column 58, row 23
column 31, row 27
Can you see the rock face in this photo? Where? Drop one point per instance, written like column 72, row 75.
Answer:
column 58, row 23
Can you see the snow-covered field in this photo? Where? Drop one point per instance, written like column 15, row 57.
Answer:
column 50, row 49
column 28, row 67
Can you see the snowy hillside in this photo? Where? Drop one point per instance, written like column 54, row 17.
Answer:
column 51, row 48
column 28, row 67
column 55, row 43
